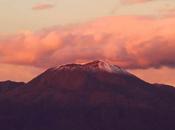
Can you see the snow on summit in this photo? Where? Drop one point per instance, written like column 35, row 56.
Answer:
column 93, row 66
column 105, row 66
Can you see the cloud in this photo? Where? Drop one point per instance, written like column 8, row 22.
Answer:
column 167, row 10
column 134, row 1
column 128, row 41
column 42, row 6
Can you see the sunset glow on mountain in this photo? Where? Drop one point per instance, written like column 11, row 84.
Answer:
column 87, row 65
column 137, row 35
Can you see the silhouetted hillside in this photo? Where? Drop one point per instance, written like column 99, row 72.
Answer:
column 93, row 96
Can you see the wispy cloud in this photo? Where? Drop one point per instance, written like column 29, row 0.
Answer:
column 134, row 1
column 42, row 6
column 128, row 41
column 167, row 10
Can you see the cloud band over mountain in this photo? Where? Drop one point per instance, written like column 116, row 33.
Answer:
column 128, row 41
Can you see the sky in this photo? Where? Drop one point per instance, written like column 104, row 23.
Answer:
column 137, row 35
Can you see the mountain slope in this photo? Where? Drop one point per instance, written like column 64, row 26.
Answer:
column 85, row 82
column 93, row 80
column 10, row 85
column 91, row 96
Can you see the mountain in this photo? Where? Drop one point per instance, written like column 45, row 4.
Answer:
column 10, row 85
column 92, row 96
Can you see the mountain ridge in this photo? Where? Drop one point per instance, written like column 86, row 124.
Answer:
column 97, row 65
column 90, row 97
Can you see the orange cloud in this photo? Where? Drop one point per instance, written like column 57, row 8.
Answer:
column 42, row 6
column 128, row 41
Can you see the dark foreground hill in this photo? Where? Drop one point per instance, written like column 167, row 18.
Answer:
column 93, row 96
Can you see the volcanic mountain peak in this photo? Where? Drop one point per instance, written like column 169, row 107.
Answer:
column 68, row 67
column 105, row 66
column 96, row 65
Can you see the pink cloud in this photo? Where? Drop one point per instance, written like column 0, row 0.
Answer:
column 134, row 1
column 128, row 41
column 42, row 6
